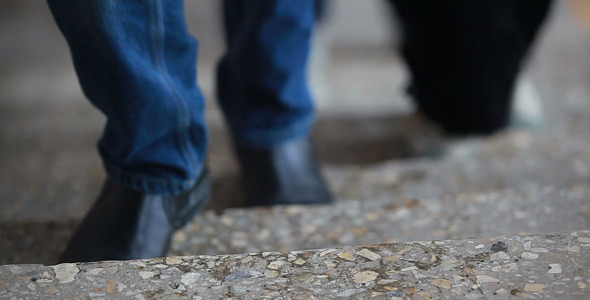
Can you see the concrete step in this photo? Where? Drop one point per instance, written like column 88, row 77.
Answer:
column 353, row 222
column 513, row 160
column 387, row 220
column 553, row 266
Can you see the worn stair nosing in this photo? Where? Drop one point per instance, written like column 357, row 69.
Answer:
column 548, row 265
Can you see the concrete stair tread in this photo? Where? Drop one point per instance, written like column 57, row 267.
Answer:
column 554, row 266
column 385, row 220
column 512, row 160
column 354, row 222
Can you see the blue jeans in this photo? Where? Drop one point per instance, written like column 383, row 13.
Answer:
column 136, row 62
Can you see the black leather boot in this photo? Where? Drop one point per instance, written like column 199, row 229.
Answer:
column 281, row 175
column 126, row 224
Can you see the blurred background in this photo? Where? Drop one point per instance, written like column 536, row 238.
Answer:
column 49, row 168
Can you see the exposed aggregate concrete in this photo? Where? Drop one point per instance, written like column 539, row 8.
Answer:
column 551, row 266
column 387, row 220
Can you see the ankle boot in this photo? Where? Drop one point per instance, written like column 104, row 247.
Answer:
column 283, row 174
column 126, row 224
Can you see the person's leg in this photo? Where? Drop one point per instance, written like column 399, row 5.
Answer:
column 136, row 62
column 264, row 94
column 262, row 84
column 464, row 57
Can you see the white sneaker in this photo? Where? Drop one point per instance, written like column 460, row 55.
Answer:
column 527, row 108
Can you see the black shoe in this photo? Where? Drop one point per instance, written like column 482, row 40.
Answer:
column 282, row 175
column 126, row 224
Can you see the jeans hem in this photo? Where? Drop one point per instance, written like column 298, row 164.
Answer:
column 148, row 184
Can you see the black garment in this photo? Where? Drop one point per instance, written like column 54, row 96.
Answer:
column 464, row 57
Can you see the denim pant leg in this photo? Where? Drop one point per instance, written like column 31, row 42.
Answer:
column 262, row 80
column 136, row 62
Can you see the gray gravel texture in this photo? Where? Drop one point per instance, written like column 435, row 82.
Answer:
column 552, row 266
column 512, row 183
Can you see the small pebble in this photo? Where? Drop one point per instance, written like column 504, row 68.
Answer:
column 499, row 256
column 189, row 278
column 346, row 256
column 364, row 277
column 146, row 275
column 397, row 294
column 65, row 272
column 368, row 254
column 555, row 269
column 275, row 265
column 504, row 268
column 173, row 261
column 450, row 264
column 326, row 252
column 485, row 279
column 442, row 283
column 499, row 246
column 529, row 255
column 535, row 288
column 527, row 245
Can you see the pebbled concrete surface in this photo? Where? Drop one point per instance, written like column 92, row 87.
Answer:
column 551, row 266
column 513, row 160
column 354, row 222
column 386, row 221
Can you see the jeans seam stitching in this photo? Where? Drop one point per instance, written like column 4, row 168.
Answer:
column 183, row 120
